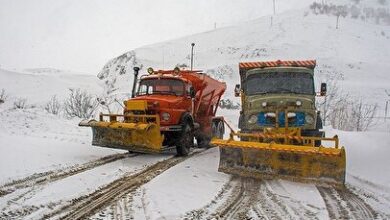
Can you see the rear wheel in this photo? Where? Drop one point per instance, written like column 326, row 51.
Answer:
column 186, row 141
column 218, row 129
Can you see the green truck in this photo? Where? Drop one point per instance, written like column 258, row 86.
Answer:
column 280, row 127
column 270, row 90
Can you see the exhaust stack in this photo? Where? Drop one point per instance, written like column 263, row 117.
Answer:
column 136, row 71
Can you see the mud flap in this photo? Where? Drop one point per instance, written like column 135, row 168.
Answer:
column 137, row 137
column 270, row 160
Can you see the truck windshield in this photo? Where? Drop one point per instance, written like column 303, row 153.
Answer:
column 161, row 86
column 280, row 82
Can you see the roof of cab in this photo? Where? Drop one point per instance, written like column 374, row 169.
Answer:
column 278, row 63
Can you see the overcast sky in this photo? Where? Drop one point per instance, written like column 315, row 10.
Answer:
column 82, row 35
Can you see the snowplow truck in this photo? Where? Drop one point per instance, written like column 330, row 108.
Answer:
column 168, row 110
column 280, row 134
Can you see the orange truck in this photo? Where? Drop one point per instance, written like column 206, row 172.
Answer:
column 168, row 110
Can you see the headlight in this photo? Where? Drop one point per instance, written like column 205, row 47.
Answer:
column 309, row 119
column 264, row 104
column 165, row 116
column 150, row 70
column 252, row 119
column 291, row 115
column 270, row 114
column 298, row 103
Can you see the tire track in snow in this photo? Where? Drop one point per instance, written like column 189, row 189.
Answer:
column 334, row 205
column 366, row 186
column 209, row 209
column 54, row 175
column 270, row 206
column 246, row 198
column 359, row 208
column 244, row 194
column 88, row 205
column 374, row 194
column 273, row 205
column 24, row 189
column 344, row 204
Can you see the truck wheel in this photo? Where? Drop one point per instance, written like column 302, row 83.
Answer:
column 314, row 133
column 186, row 141
column 319, row 122
column 218, row 129
column 319, row 134
column 203, row 141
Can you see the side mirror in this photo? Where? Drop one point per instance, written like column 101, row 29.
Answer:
column 192, row 92
column 323, row 89
column 237, row 90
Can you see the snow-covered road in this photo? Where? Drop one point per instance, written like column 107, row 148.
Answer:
column 129, row 186
column 49, row 169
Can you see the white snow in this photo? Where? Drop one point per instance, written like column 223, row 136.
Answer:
column 87, row 182
column 187, row 186
column 367, row 155
column 39, row 87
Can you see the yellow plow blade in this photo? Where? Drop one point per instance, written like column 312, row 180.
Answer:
column 138, row 137
column 271, row 160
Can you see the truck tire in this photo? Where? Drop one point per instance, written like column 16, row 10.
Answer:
column 314, row 133
column 203, row 141
column 320, row 134
column 218, row 129
column 319, row 122
column 186, row 140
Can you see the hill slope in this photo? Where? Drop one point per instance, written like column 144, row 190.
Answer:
column 357, row 53
column 37, row 86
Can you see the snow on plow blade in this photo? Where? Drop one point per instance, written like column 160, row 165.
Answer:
column 137, row 137
column 270, row 160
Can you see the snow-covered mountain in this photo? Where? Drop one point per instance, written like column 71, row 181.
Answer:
column 357, row 52
column 37, row 86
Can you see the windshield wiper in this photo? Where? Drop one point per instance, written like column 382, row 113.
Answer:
column 260, row 93
column 165, row 92
column 283, row 90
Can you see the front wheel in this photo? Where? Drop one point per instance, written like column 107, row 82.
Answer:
column 318, row 142
column 314, row 133
column 186, row 141
column 203, row 141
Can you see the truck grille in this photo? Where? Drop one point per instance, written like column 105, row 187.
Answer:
column 295, row 119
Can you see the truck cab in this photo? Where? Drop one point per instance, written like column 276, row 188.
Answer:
column 167, row 96
column 278, row 95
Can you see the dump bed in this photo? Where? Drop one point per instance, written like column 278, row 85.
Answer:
column 208, row 93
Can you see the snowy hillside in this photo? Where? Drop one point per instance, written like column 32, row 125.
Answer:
column 37, row 86
column 356, row 53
